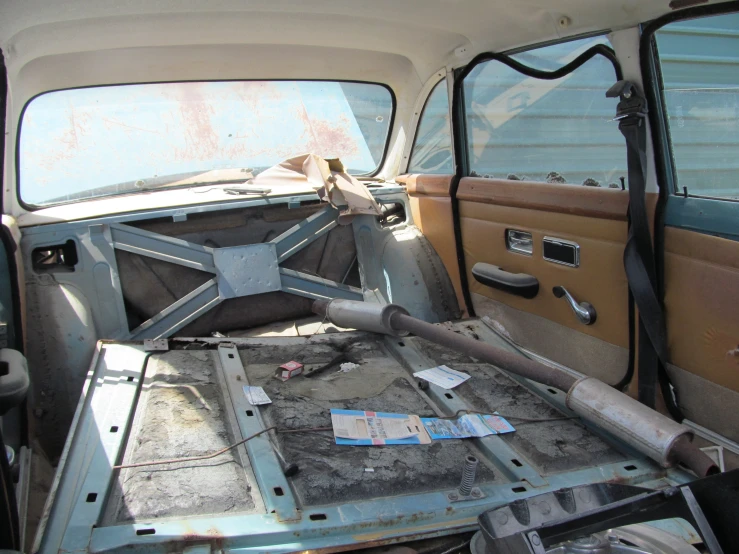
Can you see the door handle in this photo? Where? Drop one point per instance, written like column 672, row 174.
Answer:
column 584, row 311
column 496, row 277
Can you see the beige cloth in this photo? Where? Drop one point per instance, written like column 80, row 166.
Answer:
column 328, row 178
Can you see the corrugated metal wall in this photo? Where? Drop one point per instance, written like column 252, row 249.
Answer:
column 700, row 65
column 531, row 127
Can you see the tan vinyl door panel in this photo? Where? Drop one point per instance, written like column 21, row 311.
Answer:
column 702, row 311
column 702, row 305
column 593, row 218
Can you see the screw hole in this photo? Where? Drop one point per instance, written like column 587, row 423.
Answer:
column 114, row 429
column 448, row 395
column 516, row 463
column 130, row 379
column 231, row 356
column 518, row 489
column 552, row 391
column 249, row 413
column 279, row 491
column 92, row 497
column 630, row 468
column 401, row 343
column 318, row 517
column 148, row 531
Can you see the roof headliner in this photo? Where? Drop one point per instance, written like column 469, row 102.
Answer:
column 51, row 45
column 426, row 32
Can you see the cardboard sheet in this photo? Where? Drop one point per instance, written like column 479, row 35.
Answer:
column 359, row 428
column 466, row 426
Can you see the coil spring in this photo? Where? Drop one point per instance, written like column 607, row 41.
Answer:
column 468, row 476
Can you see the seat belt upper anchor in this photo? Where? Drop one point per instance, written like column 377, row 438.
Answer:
column 632, row 103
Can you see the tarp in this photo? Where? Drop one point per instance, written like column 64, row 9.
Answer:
column 328, row 178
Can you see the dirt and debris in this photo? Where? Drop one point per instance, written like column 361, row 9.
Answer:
column 551, row 446
column 330, row 473
column 181, row 412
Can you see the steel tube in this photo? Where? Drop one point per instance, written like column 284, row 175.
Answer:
column 514, row 363
column 689, row 454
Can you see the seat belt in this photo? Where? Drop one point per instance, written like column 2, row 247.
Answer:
column 639, row 263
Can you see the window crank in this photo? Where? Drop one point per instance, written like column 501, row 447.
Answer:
column 584, row 311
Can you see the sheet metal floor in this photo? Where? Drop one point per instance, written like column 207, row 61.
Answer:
column 184, row 411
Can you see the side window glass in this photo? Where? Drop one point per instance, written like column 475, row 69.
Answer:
column 432, row 150
column 556, row 131
column 699, row 59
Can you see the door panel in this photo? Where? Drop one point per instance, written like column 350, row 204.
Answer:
column 595, row 220
column 701, row 303
column 431, row 207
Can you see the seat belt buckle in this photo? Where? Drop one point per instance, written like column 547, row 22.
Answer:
column 632, row 103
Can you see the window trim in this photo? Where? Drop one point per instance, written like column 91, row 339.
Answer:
column 420, row 120
column 33, row 207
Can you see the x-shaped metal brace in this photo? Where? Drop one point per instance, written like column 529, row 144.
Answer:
column 237, row 270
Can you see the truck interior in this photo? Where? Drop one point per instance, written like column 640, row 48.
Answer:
column 439, row 276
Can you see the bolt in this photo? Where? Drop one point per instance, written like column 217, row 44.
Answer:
column 453, row 496
column 535, row 539
column 476, row 493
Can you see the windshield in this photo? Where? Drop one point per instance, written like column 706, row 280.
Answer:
column 86, row 143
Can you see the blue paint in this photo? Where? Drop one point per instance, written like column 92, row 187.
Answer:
column 704, row 215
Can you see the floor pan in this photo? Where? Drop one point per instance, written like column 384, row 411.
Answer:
column 188, row 401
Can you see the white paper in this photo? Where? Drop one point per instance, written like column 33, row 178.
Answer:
column 443, row 376
column 256, row 396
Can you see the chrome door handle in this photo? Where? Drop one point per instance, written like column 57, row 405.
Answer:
column 584, row 311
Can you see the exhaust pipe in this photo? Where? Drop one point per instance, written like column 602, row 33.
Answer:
column 651, row 433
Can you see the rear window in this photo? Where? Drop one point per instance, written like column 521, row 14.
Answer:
column 87, row 143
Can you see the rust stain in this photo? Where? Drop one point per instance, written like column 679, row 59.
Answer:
column 417, row 531
column 332, row 138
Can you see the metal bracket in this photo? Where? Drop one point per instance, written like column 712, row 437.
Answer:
column 237, row 270
column 475, row 494
column 153, row 345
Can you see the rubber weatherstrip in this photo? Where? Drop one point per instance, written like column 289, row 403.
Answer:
column 459, row 131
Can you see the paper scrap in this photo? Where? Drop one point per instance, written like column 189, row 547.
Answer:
column 466, row 426
column 360, row 428
column 256, row 396
column 443, row 376
column 369, row 469
column 346, row 367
